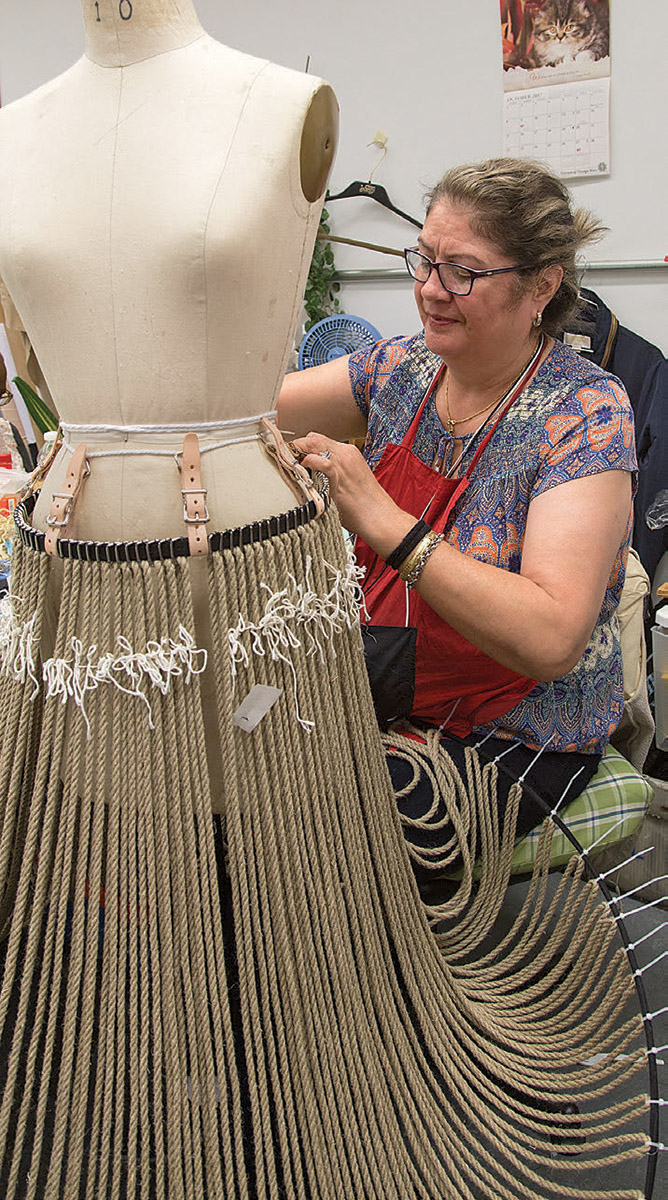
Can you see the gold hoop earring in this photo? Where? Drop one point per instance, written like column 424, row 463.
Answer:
column 538, row 320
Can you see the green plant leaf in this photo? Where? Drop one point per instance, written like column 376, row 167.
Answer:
column 39, row 412
column 320, row 294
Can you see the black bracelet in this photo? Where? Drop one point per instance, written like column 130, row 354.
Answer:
column 414, row 535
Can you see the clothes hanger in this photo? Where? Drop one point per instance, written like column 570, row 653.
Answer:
column 373, row 191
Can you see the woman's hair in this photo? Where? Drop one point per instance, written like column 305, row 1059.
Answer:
column 526, row 211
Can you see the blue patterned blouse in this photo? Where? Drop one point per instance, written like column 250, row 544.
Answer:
column 572, row 420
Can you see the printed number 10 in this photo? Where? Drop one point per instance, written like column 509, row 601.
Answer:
column 124, row 8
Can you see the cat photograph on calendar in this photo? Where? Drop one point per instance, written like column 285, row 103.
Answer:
column 554, row 41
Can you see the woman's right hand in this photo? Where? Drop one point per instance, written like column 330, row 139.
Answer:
column 363, row 505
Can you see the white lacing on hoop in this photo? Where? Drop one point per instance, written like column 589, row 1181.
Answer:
column 75, row 434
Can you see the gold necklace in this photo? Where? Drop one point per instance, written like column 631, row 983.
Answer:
column 451, row 422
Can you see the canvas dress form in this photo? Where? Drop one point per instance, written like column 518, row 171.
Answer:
column 155, row 243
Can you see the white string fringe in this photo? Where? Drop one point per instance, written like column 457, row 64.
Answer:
column 17, row 643
column 297, row 615
column 130, row 671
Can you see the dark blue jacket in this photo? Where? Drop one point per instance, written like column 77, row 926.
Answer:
column 643, row 370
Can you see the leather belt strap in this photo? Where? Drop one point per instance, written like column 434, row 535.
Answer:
column 62, row 504
column 195, row 512
column 296, row 476
column 40, row 473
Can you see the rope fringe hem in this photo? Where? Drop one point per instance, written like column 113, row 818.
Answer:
column 257, row 1004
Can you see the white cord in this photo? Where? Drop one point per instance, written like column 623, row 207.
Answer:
column 634, row 912
column 659, row 958
column 644, row 938
column 637, row 888
column 659, row 1013
column 562, row 797
column 638, row 854
column 123, row 453
column 606, row 834
column 80, row 433
column 533, row 762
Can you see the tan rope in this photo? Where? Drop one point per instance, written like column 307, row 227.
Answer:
column 326, row 1035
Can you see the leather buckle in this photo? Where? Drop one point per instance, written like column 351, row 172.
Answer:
column 185, row 492
column 67, row 509
column 195, row 511
column 62, row 503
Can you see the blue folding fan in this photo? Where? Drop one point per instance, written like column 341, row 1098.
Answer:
column 335, row 336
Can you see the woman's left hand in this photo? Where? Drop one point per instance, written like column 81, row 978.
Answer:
column 364, row 506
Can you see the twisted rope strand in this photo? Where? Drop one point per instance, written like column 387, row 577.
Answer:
column 323, row 1033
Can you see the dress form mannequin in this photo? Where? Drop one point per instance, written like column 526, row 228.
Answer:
column 155, row 244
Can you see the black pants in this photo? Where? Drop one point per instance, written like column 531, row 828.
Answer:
column 555, row 778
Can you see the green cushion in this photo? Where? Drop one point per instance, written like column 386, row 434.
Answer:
column 617, row 793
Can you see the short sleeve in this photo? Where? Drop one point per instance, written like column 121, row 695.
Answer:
column 592, row 432
column 370, row 370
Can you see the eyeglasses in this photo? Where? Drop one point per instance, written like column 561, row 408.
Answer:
column 454, row 278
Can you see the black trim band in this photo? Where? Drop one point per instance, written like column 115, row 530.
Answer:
column 166, row 548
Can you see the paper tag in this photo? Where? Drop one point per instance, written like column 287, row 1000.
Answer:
column 579, row 341
column 256, row 706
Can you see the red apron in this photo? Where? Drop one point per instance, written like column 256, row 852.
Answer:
column 456, row 685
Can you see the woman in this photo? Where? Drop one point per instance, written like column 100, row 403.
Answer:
column 517, row 454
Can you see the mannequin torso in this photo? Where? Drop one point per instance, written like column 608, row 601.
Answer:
column 155, row 243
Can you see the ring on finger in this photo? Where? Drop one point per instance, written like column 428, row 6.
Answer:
column 325, row 453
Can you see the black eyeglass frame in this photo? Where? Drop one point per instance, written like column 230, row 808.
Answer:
column 472, row 274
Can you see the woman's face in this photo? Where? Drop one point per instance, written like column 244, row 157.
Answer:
column 494, row 320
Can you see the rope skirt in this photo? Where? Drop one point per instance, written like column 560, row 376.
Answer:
column 256, row 1003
